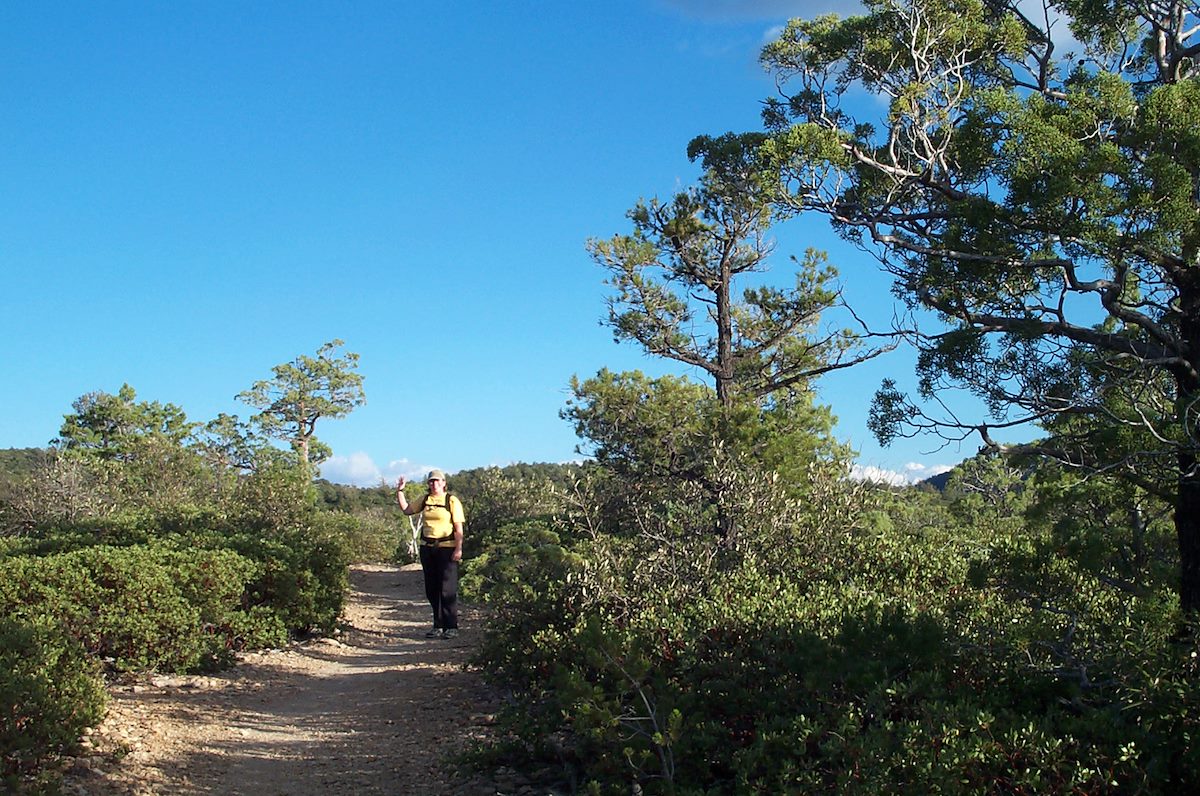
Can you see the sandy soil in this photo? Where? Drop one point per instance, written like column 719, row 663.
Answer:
column 376, row 710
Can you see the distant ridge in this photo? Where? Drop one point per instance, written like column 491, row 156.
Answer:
column 938, row 481
column 16, row 462
column 15, row 465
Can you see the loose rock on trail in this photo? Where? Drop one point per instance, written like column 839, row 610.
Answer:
column 377, row 710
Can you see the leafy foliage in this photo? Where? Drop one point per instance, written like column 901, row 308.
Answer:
column 137, row 544
column 16, row 465
column 139, row 607
column 49, row 692
column 670, row 436
column 116, row 427
column 675, row 280
column 1042, row 204
column 303, row 391
column 875, row 641
column 497, row 496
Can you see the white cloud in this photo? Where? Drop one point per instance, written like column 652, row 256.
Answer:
column 359, row 469
column 913, row 472
column 919, row 471
column 410, row 470
column 878, row 475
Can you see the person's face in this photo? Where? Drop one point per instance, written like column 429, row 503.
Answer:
column 437, row 486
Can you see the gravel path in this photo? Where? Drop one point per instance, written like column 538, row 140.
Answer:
column 375, row 711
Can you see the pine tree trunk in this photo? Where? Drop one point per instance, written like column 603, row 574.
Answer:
column 1187, row 500
column 1187, row 529
column 724, row 374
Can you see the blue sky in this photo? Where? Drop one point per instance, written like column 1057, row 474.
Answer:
column 197, row 191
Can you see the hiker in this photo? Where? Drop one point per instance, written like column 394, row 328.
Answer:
column 441, row 549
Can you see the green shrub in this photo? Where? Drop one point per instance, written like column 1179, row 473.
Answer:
column 116, row 530
column 216, row 583
column 140, row 607
column 301, row 576
column 896, row 655
column 370, row 536
column 524, row 577
column 49, row 693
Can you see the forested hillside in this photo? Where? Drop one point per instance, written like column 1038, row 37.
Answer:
column 17, row 464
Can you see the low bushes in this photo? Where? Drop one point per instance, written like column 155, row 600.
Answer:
column 143, row 541
column 140, row 607
column 178, row 592
column 372, row 535
column 49, row 693
column 301, row 577
column 881, row 653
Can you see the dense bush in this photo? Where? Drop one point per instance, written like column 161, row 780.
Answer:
column 494, row 497
column 49, row 693
column 176, row 575
column 293, row 571
column 141, row 607
column 145, row 541
column 873, row 647
column 302, row 573
column 370, row 535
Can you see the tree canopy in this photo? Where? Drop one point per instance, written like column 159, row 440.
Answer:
column 303, row 391
column 115, row 426
column 676, row 277
column 1040, row 195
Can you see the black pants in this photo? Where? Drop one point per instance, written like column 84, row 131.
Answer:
column 441, row 584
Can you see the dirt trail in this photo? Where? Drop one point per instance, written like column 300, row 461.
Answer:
column 375, row 711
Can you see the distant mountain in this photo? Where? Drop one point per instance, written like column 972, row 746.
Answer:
column 938, row 481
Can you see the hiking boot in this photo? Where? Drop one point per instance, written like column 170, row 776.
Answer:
column 451, row 633
column 435, row 633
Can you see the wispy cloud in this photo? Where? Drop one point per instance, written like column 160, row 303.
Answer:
column 718, row 17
